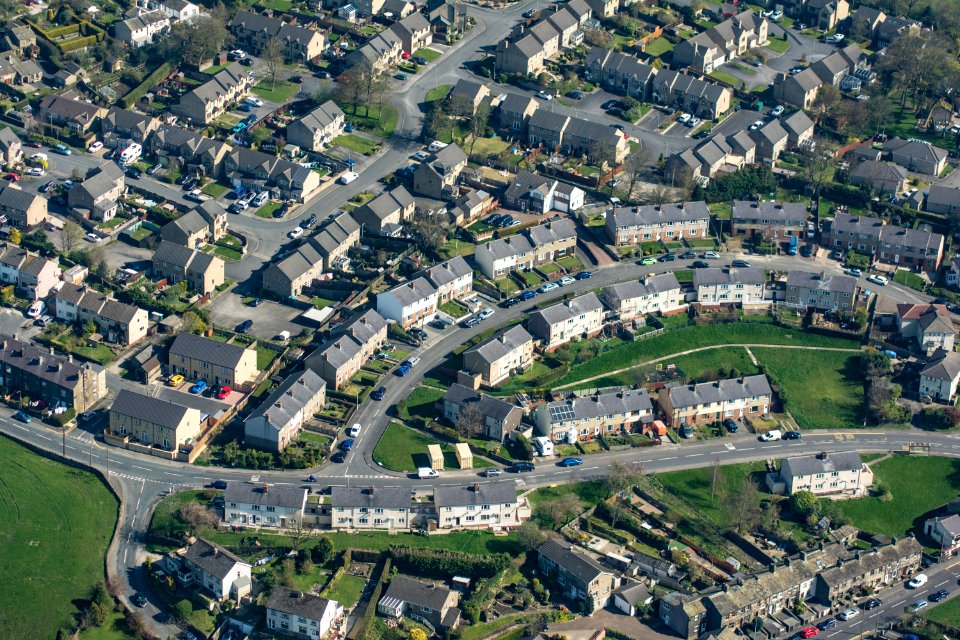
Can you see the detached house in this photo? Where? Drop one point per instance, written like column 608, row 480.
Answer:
column 302, row 615
column 437, row 177
column 883, row 178
column 23, row 209
column 656, row 295
column 500, row 418
column 540, row 194
column 279, row 419
column 929, row 324
column 586, row 417
column 217, row 570
column 67, row 111
column 945, row 531
column 318, row 128
column 940, row 375
column 667, row 222
column 205, row 103
column 299, row 44
column 203, row 272
column 558, row 324
column 916, row 155
column 425, row 601
column 215, row 362
column 747, row 397
column 497, row 357
column 582, row 579
column 96, row 197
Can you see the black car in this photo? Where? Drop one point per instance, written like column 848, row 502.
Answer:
column 306, row 224
column 140, row 600
column 58, row 200
column 244, row 326
column 377, row 394
column 247, row 62
column 699, row 264
column 48, row 186
column 420, row 60
column 133, row 173
column 183, row 179
column 279, row 213
column 792, row 435
column 584, row 275
column 505, row 221
column 189, row 183
column 494, row 220
column 609, row 104
column 234, row 208
column 576, row 95
column 700, row 135
column 688, row 255
column 829, row 623
column 939, row 595
column 730, row 425
column 616, row 112
column 219, row 484
column 339, row 456
column 872, row 603
column 669, row 257
column 419, row 333
column 510, row 302
column 296, row 79
column 740, row 264
column 522, row 467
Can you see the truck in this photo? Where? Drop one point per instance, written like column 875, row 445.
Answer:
column 426, row 472
column 792, row 247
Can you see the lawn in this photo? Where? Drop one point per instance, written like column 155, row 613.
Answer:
column 437, row 93
column 371, row 121
column 281, row 93
column 228, row 254
column 454, row 308
column 723, row 76
column 837, row 378
column 266, row 211
column 694, row 486
column 265, row 357
column 658, row 47
column 115, row 628
column 217, row 68
column 918, row 485
column 486, row 629
column 507, row 285
column 428, row 54
column 404, row 449
column 356, row 144
column 909, row 279
column 778, row 45
column 48, row 512
column 278, row 5
column 488, row 146
column 215, row 189
column 947, row 613
column 347, row 590
column 421, row 403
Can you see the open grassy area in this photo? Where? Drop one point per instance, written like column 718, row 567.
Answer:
column 357, row 144
column 265, row 357
column 55, row 523
column 215, row 189
column 918, row 485
column 428, row 54
column 373, row 121
column 266, row 211
column 723, row 76
column 347, row 590
column 778, row 45
column 404, row 449
column 437, row 93
column 421, row 402
column 837, row 378
column 485, row 629
column 909, row 279
column 693, row 486
column 280, row 93
column 658, row 47
column 947, row 613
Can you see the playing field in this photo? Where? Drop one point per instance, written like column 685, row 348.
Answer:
column 55, row 525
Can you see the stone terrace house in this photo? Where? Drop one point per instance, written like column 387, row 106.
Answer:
column 199, row 358
column 33, row 276
column 619, row 71
column 726, row 41
column 683, row 91
column 841, row 473
column 96, row 197
column 500, row 355
column 658, row 295
column 422, row 601
column 349, row 348
column 537, row 245
column 361, row 508
column 940, row 376
column 67, row 111
column 514, row 113
column 318, row 128
column 279, row 419
column 821, row 291
column 770, row 220
column 582, row 579
column 328, row 249
column 121, row 323
column 217, row 570
column 437, row 177
column 120, row 125
column 203, row 272
column 490, row 505
column 262, row 505
column 208, row 101
column 41, row 375
column 500, row 418
column 254, row 31
column 301, row 615
column 708, row 402
column 586, row 417
column 911, row 248
column 388, row 210
column 667, row 222
column 11, row 148
column 260, row 171
column 930, row 326
column 23, row 210
column 567, row 321
column 717, row 287
column 684, row 614
column 575, row 137
column 153, row 422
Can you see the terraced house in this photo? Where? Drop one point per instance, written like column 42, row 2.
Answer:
column 575, row 136
column 349, row 348
column 491, row 505
column 667, row 222
column 599, row 414
column 119, row 322
column 707, row 402
column 722, row 43
column 200, row 358
column 42, row 375
column 619, row 71
column 770, row 220
column 195, row 151
column 203, row 272
column 260, row 171
column 299, row 44
column 655, row 295
column 705, row 99
column 277, row 420
column 152, row 422
column 821, row 291
column 359, row 508
column 453, row 279
column 567, row 321
column 262, row 505
column 497, row 357
column 208, row 101
column 911, row 248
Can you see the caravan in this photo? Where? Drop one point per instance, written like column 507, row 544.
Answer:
column 131, row 154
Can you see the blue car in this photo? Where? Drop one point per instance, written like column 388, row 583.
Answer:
column 528, row 295
column 403, row 369
column 570, row 462
column 198, row 387
column 245, row 107
column 347, row 444
column 22, row 417
column 339, row 457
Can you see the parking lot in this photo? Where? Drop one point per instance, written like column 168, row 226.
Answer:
column 269, row 319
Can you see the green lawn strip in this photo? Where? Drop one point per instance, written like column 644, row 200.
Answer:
column 428, row 54
column 723, row 76
column 658, row 47
column 371, row 121
column 909, row 279
column 686, row 338
column 696, row 366
column 836, row 376
column 437, row 93
column 694, row 486
column 454, row 308
column 404, row 449
column 115, row 628
column 485, row 629
column 56, row 524
column 215, row 189
column 507, row 285
column 266, row 211
column 265, row 357
column 590, row 492
column 228, row 254
column 777, row 45
column 347, row 590
column 356, row 143
column 918, row 485
column 947, row 613
column 279, row 93
column 216, row 68
column 421, row 403
column 314, row 438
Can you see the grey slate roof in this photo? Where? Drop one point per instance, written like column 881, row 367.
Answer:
column 561, row 311
column 500, row 344
column 830, row 462
column 209, row 350
column 413, row 291
column 27, row 357
column 272, row 496
column 321, row 117
column 212, row 558
column 103, row 179
column 553, row 231
column 298, row 603
column 942, row 365
column 916, row 149
column 573, row 562
column 447, row 158
column 822, row 282
column 362, row 327
column 490, row 406
column 149, row 409
column 660, row 214
column 475, row 495
column 615, row 293
column 289, row 398
column 447, row 271
column 715, row 276
column 511, row 246
column 415, row 592
column 15, row 198
column 720, row 391
column 370, row 497
column 602, row 404
column 387, row 203
column 793, row 213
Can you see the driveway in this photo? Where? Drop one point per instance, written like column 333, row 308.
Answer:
column 269, row 319
column 13, row 321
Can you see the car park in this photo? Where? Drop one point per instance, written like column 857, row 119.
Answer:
column 549, row 286
column 570, row 462
column 740, row 264
column 175, row 380
column 198, row 387
column 877, row 279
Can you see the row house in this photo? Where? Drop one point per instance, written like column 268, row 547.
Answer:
column 537, row 245
column 720, row 286
column 260, row 171
column 453, row 279
column 374, row 508
column 316, row 130
column 567, row 321
column 708, row 402
column 541, row 194
column 911, row 248
column 40, row 374
column 436, row 177
column 722, row 43
column 490, row 505
column 821, row 291
column 467, row 96
column 943, row 199
column 205, row 223
column 837, row 474
column 141, row 29
column 801, row 90
column 263, row 505
column 770, row 220
column 581, row 578
column 619, row 72
column 575, row 136
column 118, row 322
column 203, row 272
column 514, row 113
column 24, row 210
column 716, row 153
column 685, row 92
column 200, row 358
column 175, row 145
column 411, row 304
column 670, row 222
column 582, row 418
column 658, row 295
column 500, row 355
column 277, row 421
column 32, row 276
column 205, row 103
column 298, row 44
column 939, row 376
column 97, row 195
column 349, row 348
column 154, row 422
column 387, row 211
column 378, row 53
column 500, row 418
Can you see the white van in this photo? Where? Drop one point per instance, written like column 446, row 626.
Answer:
column 260, row 199
column 37, row 309
column 348, row 177
column 283, row 336
column 426, row 472
column 543, row 446
column 770, row 436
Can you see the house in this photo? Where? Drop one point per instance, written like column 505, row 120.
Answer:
column 20, row 38
column 500, row 355
column 121, row 125
column 523, row 56
column 866, row 20
column 916, row 156
column 671, row 222
column 911, row 248
column 771, row 141
column 619, row 72
column 575, row 136
column 838, row 474
column 16, row 71
column 141, row 28
column 328, row 249
column 379, row 52
column 929, row 324
column 368, row 508
column 658, row 295
column 540, row 194
column 205, row 103
column 398, row 8
column 707, row 402
column 952, row 273
column 194, row 151
column 176, row 9
column 259, row 171
column 263, row 505
column 67, row 111
column 799, row 128
column 318, row 128
column 298, row 44
column 716, row 153
column 823, row 15
column 500, row 418
column 883, row 178
column 563, row 322
column 705, row 99
column 40, row 374
column 152, row 422
column 96, row 196
column 200, row 358
column 349, row 348
column 600, row 414
column 722, row 43
column 821, row 291
column 280, row 418
column 412, row 303
column 467, row 95
column 413, row 31
column 798, row 90
column 514, row 113
column 537, row 245
column 302, row 615
column 684, row 614
column 890, row 29
column 444, row 16
column 24, row 210
column 452, row 279
column 582, row 579
column 940, row 375
column 118, row 322
column 629, row 596
column 770, row 220
column 945, row 531
column 11, row 148
column 389, row 208
column 33, row 276
column 203, row 272
column 943, row 199
column 437, row 177
column 205, row 223
column 215, row 569
column 422, row 601
column 490, row 505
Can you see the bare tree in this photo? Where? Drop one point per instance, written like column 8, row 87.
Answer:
column 744, row 505
column 636, row 168
column 433, row 229
column 352, row 83
column 716, row 478
column 530, row 536
column 197, row 515
column 272, row 54
column 470, row 420
column 819, row 166
column 297, row 530
column 70, row 236
column 562, row 510
column 620, row 478
column 478, row 124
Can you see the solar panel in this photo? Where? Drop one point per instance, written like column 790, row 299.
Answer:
column 561, row 413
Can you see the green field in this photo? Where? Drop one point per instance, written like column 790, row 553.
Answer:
column 822, row 389
column 373, row 122
column 280, row 93
column 428, row 54
column 778, row 45
column 355, row 143
column 404, row 449
column 918, row 485
column 347, row 590
column 55, row 523
column 658, row 47
column 910, row 279
column 693, row 486
column 421, row 403
column 947, row 613
column 694, row 365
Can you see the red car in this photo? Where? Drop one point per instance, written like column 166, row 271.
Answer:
column 13, row 177
column 809, row 632
column 34, row 144
column 223, row 392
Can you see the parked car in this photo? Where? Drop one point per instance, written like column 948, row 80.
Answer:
column 35, row 171
column 244, row 326
column 609, row 104
column 852, row 271
column 771, row 435
column 472, row 321
column 354, row 430
column 543, row 95
column 510, row 302
column 347, row 444
column 809, row 632
column 133, row 173
column 849, row 614
column 378, row 393
column 565, row 280
column 96, row 146
column 668, row 257
column 584, row 275
column 756, row 125
column 257, row 102
column 486, row 313
column 829, row 623
column 943, row 594
column 730, row 425
column 522, row 467
column 492, row 472
column 175, row 381
column 152, row 170
column 576, row 95
column 339, row 457
column 870, row 604
column 198, row 387
column 570, row 462
column 400, row 76
column 528, row 295
column 919, row 605
column 917, row 581
column 711, row 255
column 295, row 233
column 549, row 286
column 877, row 279
column 219, row 484
column 792, row 435
column 22, row 417
column 648, row 261
column 740, row 264
column 403, row 369
column 699, row 264
column 686, row 431
column 777, row 111
column 36, row 309
column 223, row 392
column 62, row 149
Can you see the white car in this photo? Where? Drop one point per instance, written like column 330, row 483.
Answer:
column 355, row 430
column 711, row 255
column 240, row 53
column 435, row 146
column 68, row 184
column 756, row 125
column 836, row 38
column 296, row 233
column 550, row 286
column 348, row 177
column 414, row 361
column 771, row 436
column 917, row 581
column 853, row 271
column 683, row 118
column 849, row 614
column 260, row 199
column 96, row 146
column 486, row 313
column 490, row 472
column 92, row 237
column 257, row 102
column 776, row 15
column 565, row 280
column 421, row 156
column 36, row 309
column 35, row 171
column 877, row 279
column 543, row 95
column 777, row 111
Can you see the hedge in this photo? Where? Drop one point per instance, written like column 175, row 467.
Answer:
column 371, row 611
column 443, row 564
column 79, row 43
column 140, row 90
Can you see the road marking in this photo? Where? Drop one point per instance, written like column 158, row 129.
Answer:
column 692, row 455
column 747, row 449
column 675, row 457
column 141, row 468
column 730, row 447
column 40, row 435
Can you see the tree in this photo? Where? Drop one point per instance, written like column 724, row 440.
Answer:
column 196, row 40
column 352, row 84
column 417, row 634
column 530, row 536
column 191, row 322
column 818, row 166
column 197, row 516
column 598, row 38
column 470, row 422
column 183, row 609
column 70, row 236
column 297, row 530
column 828, row 97
column 744, row 503
column 804, row 504
column 322, row 551
column 15, row 236
column 478, row 124
column 620, row 478
column 433, row 229
column 561, row 510
column 635, row 169
column 272, row 55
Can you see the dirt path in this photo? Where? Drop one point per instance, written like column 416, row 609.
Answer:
column 698, row 349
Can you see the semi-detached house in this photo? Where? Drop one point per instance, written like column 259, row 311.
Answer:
column 122, row 124
column 911, row 248
column 215, row 569
column 729, row 286
column 453, row 279
column 153, row 422
column 916, row 155
column 385, row 212
column 581, row 578
column 490, row 505
column 722, row 43
column 118, row 322
column 658, row 295
column 940, row 376
column 262, row 505
column 32, row 276
column 259, row 171
column 421, row 601
column 301, row 615
column 707, row 402
column 497, row 357
column 771, row 220
column 199, row 358
column 141, row 29
column 203, row 272
column 96, row 197
column 205, row 103
column 205, row 223
column 411, row 304
column 600, row 414
column 558, row 324
column 349, row 348
column 298, row 44
column 500, row 418
column 318, row 128
column 671, row 222
column 841, row 473
column 821, row 291
column 358, row 508
column 23, row 210
column 277, row 420
column 537, row 245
